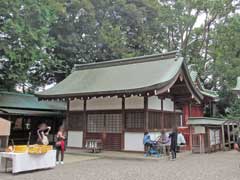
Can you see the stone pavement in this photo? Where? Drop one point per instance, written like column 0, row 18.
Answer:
column 71, row 158
column 119, row 155
column 215, row 166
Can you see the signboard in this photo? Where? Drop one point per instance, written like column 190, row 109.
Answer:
column 199, row 130
column 4, row 127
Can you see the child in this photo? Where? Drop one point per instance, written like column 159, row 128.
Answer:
column 147, row 142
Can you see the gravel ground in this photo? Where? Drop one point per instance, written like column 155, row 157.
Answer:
column 215, row 166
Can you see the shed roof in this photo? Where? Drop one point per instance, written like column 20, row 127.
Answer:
column 27, row 101
column 205, row 121
column 29, row 112
column 132, row 75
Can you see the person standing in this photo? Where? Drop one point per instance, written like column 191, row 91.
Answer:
column 164, row 142
column 60, row 145
column 173, row 146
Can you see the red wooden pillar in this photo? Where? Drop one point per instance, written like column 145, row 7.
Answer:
column 186, row 114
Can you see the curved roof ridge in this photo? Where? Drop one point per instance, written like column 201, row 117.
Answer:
column 124, row 61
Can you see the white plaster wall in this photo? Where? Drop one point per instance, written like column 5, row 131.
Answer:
column 154, row 103
column 168, row 105
column 104, row 103
column 133, row 141
column 75, row 139
column 134, row 102
column 76, row 105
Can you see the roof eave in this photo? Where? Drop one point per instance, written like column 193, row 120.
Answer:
column 197, row 94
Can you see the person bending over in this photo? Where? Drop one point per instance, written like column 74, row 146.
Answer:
column 42, row 133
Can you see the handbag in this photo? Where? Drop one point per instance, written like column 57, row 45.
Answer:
column 58, row 144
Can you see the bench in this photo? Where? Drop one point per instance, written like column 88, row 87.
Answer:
column 94, row 145
column 182, row 148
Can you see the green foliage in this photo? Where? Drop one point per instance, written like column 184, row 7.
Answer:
column 42, row 40
column 25, row 38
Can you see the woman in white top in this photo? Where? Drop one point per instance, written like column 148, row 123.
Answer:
column 42, row 133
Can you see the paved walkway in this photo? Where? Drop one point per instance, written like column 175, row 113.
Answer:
column 71, row 158
column 215, row 166
column 119, row 155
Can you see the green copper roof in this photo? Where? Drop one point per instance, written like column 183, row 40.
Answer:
column 203, row 90
column 29, row 112
column 210, row 93
column 205, row 121
column 27, row 101
column 194, row 75
column 132, row 75
column 237, row 88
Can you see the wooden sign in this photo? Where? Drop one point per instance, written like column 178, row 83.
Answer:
column 199, row 130
column 4, row 127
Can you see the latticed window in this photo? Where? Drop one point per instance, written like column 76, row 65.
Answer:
column 95, row 123
column 155, row 120
column 110, row 123
column 134, row 120
column 75, row 121
column 113, row 123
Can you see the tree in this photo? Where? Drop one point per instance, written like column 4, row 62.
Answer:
column 42, row 50
column 25, row 40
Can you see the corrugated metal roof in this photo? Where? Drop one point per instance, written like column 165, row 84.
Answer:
column 27, row 101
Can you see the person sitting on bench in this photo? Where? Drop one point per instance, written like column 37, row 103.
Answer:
column 147, row 142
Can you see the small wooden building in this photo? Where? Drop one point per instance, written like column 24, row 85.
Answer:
column 116, row 101
column 25, row 113
column 212, row 134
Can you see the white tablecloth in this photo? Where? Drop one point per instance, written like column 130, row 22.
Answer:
column 26, row 162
